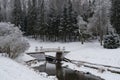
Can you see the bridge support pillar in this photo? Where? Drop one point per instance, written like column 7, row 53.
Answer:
column 59, row 56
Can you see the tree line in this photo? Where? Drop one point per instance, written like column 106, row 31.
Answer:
column 57, row 20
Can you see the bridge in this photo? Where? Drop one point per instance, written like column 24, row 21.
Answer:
column 40, row 53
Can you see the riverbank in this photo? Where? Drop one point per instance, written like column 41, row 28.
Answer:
column 89, row 52
column 11, row 70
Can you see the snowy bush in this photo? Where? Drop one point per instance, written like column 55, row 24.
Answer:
column 111, row 42
column 11, row 40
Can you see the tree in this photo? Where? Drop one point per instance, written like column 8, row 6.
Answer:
column 100, row 21
column 40, row 22
column 111, row 41
column 31, row 18
column 24, row 18
column 87, row 10
column 68, row 24
column 115, row 15
column 56, row 19
column 11, row 40
column 54, row 23
column 1, row 18
column 72, row 20
column 82, row 29
column 3, row 9
column 17, row 13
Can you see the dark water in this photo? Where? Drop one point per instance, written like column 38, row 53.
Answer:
column 63, row 73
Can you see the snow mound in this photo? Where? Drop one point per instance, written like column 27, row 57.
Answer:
column 22, row 58
column 11, row 70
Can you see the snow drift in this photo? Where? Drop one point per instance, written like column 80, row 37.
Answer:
column 11, row 70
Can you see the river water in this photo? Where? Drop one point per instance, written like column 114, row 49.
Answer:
column 63, row 73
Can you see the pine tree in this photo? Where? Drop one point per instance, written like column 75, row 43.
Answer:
column 51, row 23
column 68, row 23
column 63, row 25
column 31, row 18
column 54, row 23
column 72, row 21
column 41, row 25
column 115, row 16
column 0, row 14
column 24, row 18
column 17, row 13
column 4, row 12
column 111, row 41
column 87, row 11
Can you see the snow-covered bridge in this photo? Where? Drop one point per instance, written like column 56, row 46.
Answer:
column 40, row 54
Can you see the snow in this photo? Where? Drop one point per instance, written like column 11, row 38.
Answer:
column 11, row 37
column 106, row 75
column 38, row 64
column 24, row 58
column 89, row 52
column 11, row 70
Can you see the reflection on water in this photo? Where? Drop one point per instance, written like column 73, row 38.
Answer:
column 64, row 73
column 60, row 73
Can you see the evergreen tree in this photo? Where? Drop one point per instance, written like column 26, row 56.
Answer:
column 54, row 23
column 24, row 18
column 41, row 25
column 63, row 25
column 111, row 41
column 72, row 21
column 4, row 8
column 31, row 18
column 0, row 14
column 115, row 16
column 17, row 13
column 68, row 23
column 87, row 11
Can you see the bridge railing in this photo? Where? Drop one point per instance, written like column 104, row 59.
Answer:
column 50, row 49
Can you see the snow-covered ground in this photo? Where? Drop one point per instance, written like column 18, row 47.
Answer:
column 105, row 75
column 90, row 52
column 11, row 70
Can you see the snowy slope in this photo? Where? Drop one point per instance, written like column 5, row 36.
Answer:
column 11, row 70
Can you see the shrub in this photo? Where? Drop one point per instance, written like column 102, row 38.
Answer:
column 111, row 42
column 12, row 41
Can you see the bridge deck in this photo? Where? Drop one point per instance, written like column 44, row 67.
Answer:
column 44, row 50
column 52, row 50
column 40, row 55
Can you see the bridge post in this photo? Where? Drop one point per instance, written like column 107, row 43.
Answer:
column 59, row 56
